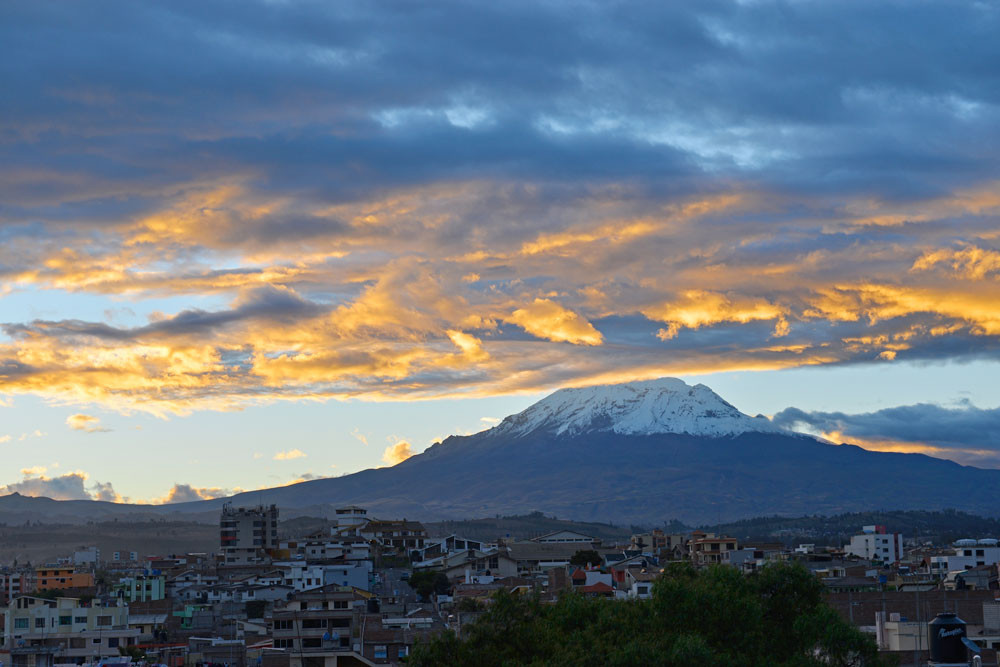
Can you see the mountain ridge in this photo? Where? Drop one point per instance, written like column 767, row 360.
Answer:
column 627, row 453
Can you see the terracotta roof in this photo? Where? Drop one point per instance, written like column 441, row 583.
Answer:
column 599, row 587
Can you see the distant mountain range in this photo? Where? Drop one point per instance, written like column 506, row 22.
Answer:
column 639, row 453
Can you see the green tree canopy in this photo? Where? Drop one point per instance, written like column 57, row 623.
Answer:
column 425, row 582
column 775, row 618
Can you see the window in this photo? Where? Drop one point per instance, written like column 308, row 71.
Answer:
column 65, row 620
column 340, row 604
column 284, row 643
column 313, row 623
column 403, row 651
column 95, row 640
column 380, row 652
column 80, row 619
column 20, row 623
column 39, row 622
column 103, row 621
column 112, row 642
column 77, row 642
column 340, row 622
column 312, row 642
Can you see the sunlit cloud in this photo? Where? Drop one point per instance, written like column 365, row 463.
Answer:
column 289, row 454
column 69, row 486
column 490, row 220
column 85, row 423
column 547, row 319
column 397, row 453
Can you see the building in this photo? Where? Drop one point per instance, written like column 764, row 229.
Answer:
column 874, row 543
column 709, row 548
column 567, row 537
column 61, row 577
column 403, row 536
column 246, row 534
column 15, row 583
column 141, row 588
column 973, row 553
column 77, row 633
column 321, row 627
column 87, row 556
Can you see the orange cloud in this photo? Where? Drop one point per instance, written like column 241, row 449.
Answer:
column 397, row 453
column 698, row 308
column 545, row 318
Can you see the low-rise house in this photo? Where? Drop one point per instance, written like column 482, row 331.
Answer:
column 639, row 585
column 709, row 548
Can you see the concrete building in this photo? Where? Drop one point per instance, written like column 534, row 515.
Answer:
column 321, row 628
column 77, row 633
column 90, row 556
column 973, row 553
column 246, row 534
column 709, row 548
column 141, row 588
column 875, row 543
column 61, row 577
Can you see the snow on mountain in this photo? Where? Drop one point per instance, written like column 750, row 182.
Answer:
column 667, row 405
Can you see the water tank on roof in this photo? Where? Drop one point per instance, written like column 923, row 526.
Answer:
column 945, row 635
column 965, row 543
column 988, row 542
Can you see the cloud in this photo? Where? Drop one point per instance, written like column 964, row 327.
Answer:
column 4, row 438
column 966, row 434
column 70, row 486
column 663, row 189
column 185, row 493
column 397, row 453
column 547, row 319
column 361, row 437
column 289, row 454
column 85, row 423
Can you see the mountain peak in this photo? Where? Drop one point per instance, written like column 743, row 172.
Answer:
column 666, row 405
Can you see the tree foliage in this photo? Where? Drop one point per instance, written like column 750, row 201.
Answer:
column 426, row 582
column 583, row 557
column 776, row 617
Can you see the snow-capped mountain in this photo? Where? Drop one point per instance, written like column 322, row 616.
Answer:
column 666, row 405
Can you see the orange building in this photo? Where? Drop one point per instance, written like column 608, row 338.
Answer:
column 51, row 577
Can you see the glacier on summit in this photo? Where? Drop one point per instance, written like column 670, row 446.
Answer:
column 666, row 405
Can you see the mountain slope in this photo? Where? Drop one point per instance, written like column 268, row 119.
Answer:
column 637, row 453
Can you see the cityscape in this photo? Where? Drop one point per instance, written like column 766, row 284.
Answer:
column 543, row 333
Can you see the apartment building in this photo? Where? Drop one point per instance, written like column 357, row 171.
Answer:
column 61, row 577
column 321, row 627
column 246, row 534
column 709, row 548
column 876, row 543
column 72, row 631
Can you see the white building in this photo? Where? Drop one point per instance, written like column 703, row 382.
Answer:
column 874, row 543
column 87, row 556
column 973, row 553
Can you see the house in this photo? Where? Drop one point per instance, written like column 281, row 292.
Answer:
column 708, row 548
column 639, row 585
column 401, row 535
column 535, row 558
column 461, row 565
column 61, row 577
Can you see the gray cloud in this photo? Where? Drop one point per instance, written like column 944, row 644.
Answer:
column 966, row 433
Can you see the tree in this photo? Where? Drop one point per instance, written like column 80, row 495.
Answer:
column 583, row 557
column 426, row 582
column 776, row 617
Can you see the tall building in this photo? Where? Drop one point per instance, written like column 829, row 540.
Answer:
column 246, row 534
column 875, row 543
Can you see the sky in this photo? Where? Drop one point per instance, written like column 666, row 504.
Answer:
column 248, row 243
